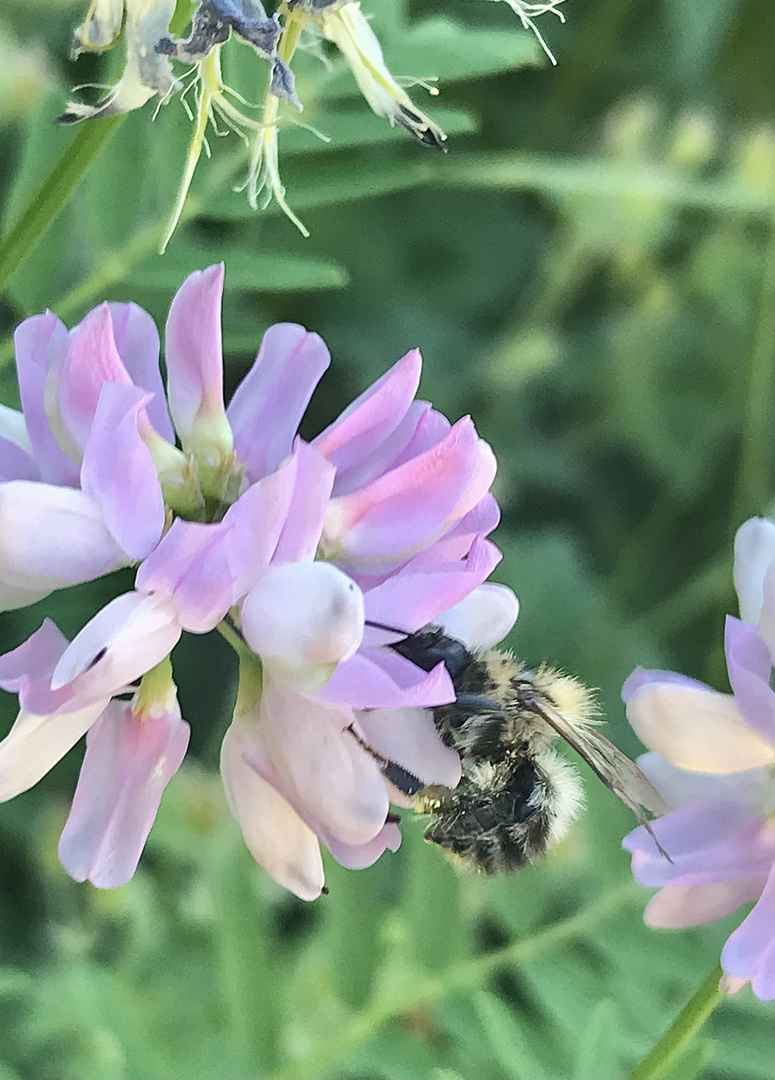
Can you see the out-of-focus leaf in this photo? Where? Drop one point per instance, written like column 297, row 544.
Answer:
column 597, row 1055
column 260, row 271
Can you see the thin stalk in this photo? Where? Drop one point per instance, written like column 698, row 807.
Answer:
column 755, row 472
column 54, row 193
column 657, row 1064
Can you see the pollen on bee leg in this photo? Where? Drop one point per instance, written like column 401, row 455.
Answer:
column 428, row 801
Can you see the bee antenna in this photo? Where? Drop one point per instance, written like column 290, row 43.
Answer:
column 385, row 627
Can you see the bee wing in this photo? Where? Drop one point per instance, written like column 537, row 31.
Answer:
column 618, row 773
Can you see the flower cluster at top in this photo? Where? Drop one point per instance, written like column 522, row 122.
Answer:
column 291, row 548
column 713, row 760
column 149, row 73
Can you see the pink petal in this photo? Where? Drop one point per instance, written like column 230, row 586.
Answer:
column 91, row 360
column 123, row 641
column 372, row 417
column 483, row 475
column 750, row 951
column 697, row 730
column 41, row 342
column 128, row 763
column 28, row 669
column 35, row 658
column 699, row 825
column 407, row 508
column 302, row 528
column 305, row 750
column 700, row 856
column 119, row 474
column 192, row 562
column 16, row 458
column 192, row 347
column 304, row 613
column 36, row 743
column 456, row 543
column 408, row 737
column 255, row 523
column 679, row 906
column 754, row 554
column 15, row 463
column 362, row 855
column 269, row 403
column 137, row 341
column 750, row 668
column 483, row 618
column 411, row 600
column 274, row 834
column 50, row 537
column 381, row 679
column 386, row 454
column 431, row 428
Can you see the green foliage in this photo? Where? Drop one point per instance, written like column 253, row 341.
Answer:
column 588, row 272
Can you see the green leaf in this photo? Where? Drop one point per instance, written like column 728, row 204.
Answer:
column 600, row 180
column 598, row 1056
column 509, row 1040
column 260, row 271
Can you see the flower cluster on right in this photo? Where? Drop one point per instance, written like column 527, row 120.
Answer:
column 713, row 760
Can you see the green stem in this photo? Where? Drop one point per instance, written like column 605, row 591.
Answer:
column 235, row 639
column 676, row 1040
column 754, row 478
column 54, row 193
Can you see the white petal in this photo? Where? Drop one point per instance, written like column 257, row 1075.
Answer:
column 14, row 427
column 304, row 613
column 50, row 537
column 408, row 737
column 274, row 834
column 126, row 639
column 754, row 553
column 36, row 743
column 696, row 730
column 483, row 618
column 767, row 619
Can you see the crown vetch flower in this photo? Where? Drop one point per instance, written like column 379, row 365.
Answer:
column 713, row 760
column 290, row 548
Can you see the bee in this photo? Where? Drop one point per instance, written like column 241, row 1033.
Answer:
column 517, row 796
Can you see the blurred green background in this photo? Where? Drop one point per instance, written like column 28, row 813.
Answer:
column 589, row 272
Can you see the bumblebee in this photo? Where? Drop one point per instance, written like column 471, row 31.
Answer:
column 517, row 796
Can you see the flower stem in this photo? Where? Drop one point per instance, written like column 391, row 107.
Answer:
column 234, row 638
column 754, row 475
column 51, row 197
column 658, row 1062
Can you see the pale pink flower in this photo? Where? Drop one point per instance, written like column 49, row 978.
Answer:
column 382, row 518
column 714, row 763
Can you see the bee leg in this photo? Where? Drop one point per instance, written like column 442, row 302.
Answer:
column 398, row 776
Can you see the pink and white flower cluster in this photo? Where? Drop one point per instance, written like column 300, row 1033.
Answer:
column 713, row 760
column 291, row 548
